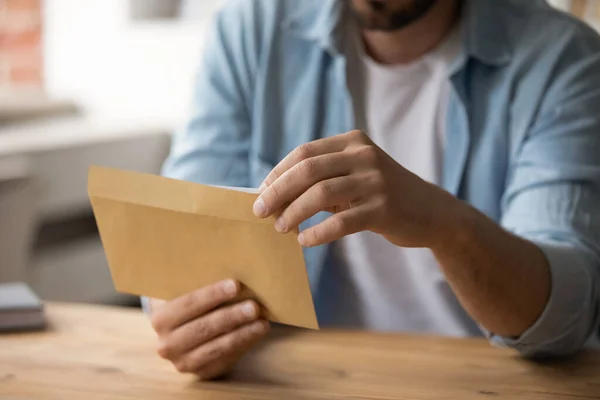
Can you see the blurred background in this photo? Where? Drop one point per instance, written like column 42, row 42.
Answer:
column 92, row 82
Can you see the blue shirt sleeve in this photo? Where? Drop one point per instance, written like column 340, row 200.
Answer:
column 213, row 146
column 553, row 200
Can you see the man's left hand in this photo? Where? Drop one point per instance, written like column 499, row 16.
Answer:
column 363, row 187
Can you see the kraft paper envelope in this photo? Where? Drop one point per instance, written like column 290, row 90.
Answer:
column 164, row 238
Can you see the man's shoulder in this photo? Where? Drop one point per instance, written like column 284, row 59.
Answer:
column 535, row 26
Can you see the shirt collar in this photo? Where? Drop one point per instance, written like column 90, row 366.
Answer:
column 484, row 25
column 320, row 21
column 484, row 31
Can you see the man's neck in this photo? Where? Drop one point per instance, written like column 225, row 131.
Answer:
column 415, row 40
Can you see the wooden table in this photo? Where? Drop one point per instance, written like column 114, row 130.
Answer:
column 92, row 353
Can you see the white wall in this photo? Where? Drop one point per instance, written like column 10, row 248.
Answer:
column 116, row 68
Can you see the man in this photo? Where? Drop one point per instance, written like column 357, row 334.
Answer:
column 454, row 144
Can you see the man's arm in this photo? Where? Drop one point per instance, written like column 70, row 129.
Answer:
column 552, row 199
column 540, row 298
column 502, row 281
column 536, row 289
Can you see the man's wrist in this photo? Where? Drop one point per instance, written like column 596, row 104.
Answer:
column 454, row 226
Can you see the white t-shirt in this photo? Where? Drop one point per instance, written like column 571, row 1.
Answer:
column 403, row 110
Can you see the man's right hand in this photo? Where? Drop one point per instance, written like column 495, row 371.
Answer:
column 199, row 336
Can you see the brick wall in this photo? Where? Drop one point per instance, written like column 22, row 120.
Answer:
column 21, row 63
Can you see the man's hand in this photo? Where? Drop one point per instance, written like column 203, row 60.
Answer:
column 200, row 338
column 363, row 186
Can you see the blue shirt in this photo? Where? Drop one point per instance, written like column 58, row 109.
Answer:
column 522, row 134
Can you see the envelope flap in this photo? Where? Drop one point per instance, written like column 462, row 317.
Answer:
column 171, row 194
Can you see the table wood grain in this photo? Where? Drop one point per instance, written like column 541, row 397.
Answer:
column 94, row 352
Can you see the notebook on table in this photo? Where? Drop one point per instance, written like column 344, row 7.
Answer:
column 20, row 308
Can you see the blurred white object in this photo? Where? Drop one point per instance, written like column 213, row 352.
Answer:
column 154, row 9
column 198, row 10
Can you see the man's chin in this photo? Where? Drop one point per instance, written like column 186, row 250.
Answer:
column 374, row 23
column 377, row 18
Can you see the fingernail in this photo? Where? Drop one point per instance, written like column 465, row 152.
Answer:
column 249, row 310
column 262, row 187
column 301, row 239
column 258, row 327
column 280, row 225
column 259, row 207
column 229, row 287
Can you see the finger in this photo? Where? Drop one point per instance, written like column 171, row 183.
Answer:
column 335, row 193
column 177, row 312
column 336, row 226
column 308, row 150
column 155, row 304
column 218, row 369
column 203, row 329
column 298, row 179
column 223, row 347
